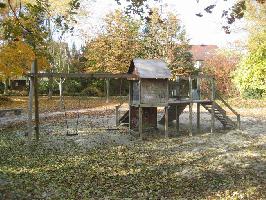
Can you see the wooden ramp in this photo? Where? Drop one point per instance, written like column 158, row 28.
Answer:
column 172, row 112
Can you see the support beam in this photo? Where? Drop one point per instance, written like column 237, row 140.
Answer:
column 166, row 122
column 129, row 105
column 107, row 90
column 117, row 116
column 178, row 94
column 140, row 123
column 190, row 106
column 177, row 120
column 198, row 88
column 198, row 117
column 238, row 121
column 212, row 99
column 30, row 103
column 36, row 101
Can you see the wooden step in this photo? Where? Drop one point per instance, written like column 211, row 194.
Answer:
column 219, row 114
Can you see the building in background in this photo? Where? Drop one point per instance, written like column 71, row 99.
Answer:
column 202, row 52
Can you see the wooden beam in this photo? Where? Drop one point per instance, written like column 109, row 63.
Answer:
column 238, row 121
column 117, row 116
column 198, row 87
column 140, row 123
column 177, row 119
column 30, row 103
column 36, row 101
column 83, row 75
column 178, row 94
column 198, row 117
column 107, row 90
column 212, row 108
column 129, row 105
column 166, row 121
column 190, row 106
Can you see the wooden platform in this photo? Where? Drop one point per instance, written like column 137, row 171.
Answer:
column 187, row 101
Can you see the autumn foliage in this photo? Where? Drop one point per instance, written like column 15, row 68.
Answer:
column 221, row 66
column 16, row 59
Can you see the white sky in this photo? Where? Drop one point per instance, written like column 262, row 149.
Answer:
column 200, row 30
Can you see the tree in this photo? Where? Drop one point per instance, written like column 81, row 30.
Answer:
column 221, row 66
column 112, row 50
column 16, row 59
column 166, row 39
column 250, row 77
column 125, row 38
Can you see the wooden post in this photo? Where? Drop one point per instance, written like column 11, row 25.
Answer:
column 107, row 90
column 36, row 99
column 198, row 88
column 178, row 87
column 238, row 121
column 166, row 122
column 140, row 122
column 117, row 115
column 190, row 106
column 212, row 100
column 177, row 120
column 30, row 103
column 129, row 105
column 198, row 117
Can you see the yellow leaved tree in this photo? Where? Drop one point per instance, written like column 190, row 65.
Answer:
column 16, row 59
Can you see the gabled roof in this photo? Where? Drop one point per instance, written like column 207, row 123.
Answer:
column 149, row 68
column 202, row 52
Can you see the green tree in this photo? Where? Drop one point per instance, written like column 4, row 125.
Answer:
column 250, row 77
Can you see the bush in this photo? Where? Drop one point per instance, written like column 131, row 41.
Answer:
column 72, row 87
column 92, row 91
column 253, row 93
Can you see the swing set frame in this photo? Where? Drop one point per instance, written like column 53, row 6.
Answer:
column 34, row 94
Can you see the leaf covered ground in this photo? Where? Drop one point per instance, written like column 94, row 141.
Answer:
column 208, row 166
column 113, row 164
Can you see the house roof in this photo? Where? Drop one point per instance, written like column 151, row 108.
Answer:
column 202, row 52
column 149, row 68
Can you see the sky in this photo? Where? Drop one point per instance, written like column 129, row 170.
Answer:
column 200, row 30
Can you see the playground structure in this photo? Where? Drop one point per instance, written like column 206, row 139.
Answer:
column 150, row 87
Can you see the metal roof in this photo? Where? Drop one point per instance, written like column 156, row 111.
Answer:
column 149, row 68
